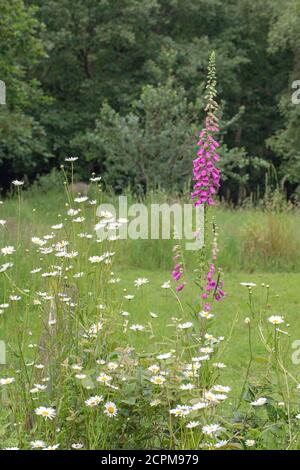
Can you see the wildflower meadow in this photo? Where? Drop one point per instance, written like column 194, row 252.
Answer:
column 118, row 343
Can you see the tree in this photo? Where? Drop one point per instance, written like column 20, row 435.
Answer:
column 284, row 37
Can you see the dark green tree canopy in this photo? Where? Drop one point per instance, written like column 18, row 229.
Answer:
column 120, row 83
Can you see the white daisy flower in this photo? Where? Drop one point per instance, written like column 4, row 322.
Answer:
column 94, row 401
column 250, row 442
column 185, row 326
column 158, row 380
column 7, row 381
column 259, row 402
column 137, row 327
column 80, row 376
column 206, row 315
column 54, row 447
column 77, row 446
column 181, row 410
column 37, row 444
column 110, row 409
column 192, row 424
column 212, row 429
column 104, row 378
column 220, row 444
column 154, row 369
column 187, row 386
column 141, row 281
column 164, row 356
column 8, row 250
column 81, row 199
column 276, row 319
column 166, row 285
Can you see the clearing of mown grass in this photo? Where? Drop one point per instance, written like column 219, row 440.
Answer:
column 106, row 348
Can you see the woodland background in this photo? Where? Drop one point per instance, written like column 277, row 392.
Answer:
column 119, row 83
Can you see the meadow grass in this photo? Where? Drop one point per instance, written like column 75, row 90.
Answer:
column 250, row 239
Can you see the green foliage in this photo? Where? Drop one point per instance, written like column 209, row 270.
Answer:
column 284, row 37
column 149, row 147
column 57, row 360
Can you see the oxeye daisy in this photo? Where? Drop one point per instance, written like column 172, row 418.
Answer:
column 220, row 444
column 128, row 296
column 110, row 409
column 185, row 326
column 192, row 424
column 137, row 327
column 95, row 179
column 219, row 365
column 104, row 378
column 17, row 183
column 212, row 429
column 181, row 410
column 94, row 401
column 37, row 444
column 164, row 356
column 54, row 447
column 206, row 315
column 155, row 402
column 166, row 285
column 158, row 380
column 259, row 402
column 199, row 406
column 250, row 443
column 154, row 369
column 5, row 267
column 276, row 319
column 8, row 250
column 80, row 376
column 81, row 199
column 187, row 386
column 141, row 281
column 221, row 388
column 77, row 446
column 112, row 365
column 7, row 381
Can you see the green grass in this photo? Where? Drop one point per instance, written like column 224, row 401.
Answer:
column 230, row 314
column 150, row 258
